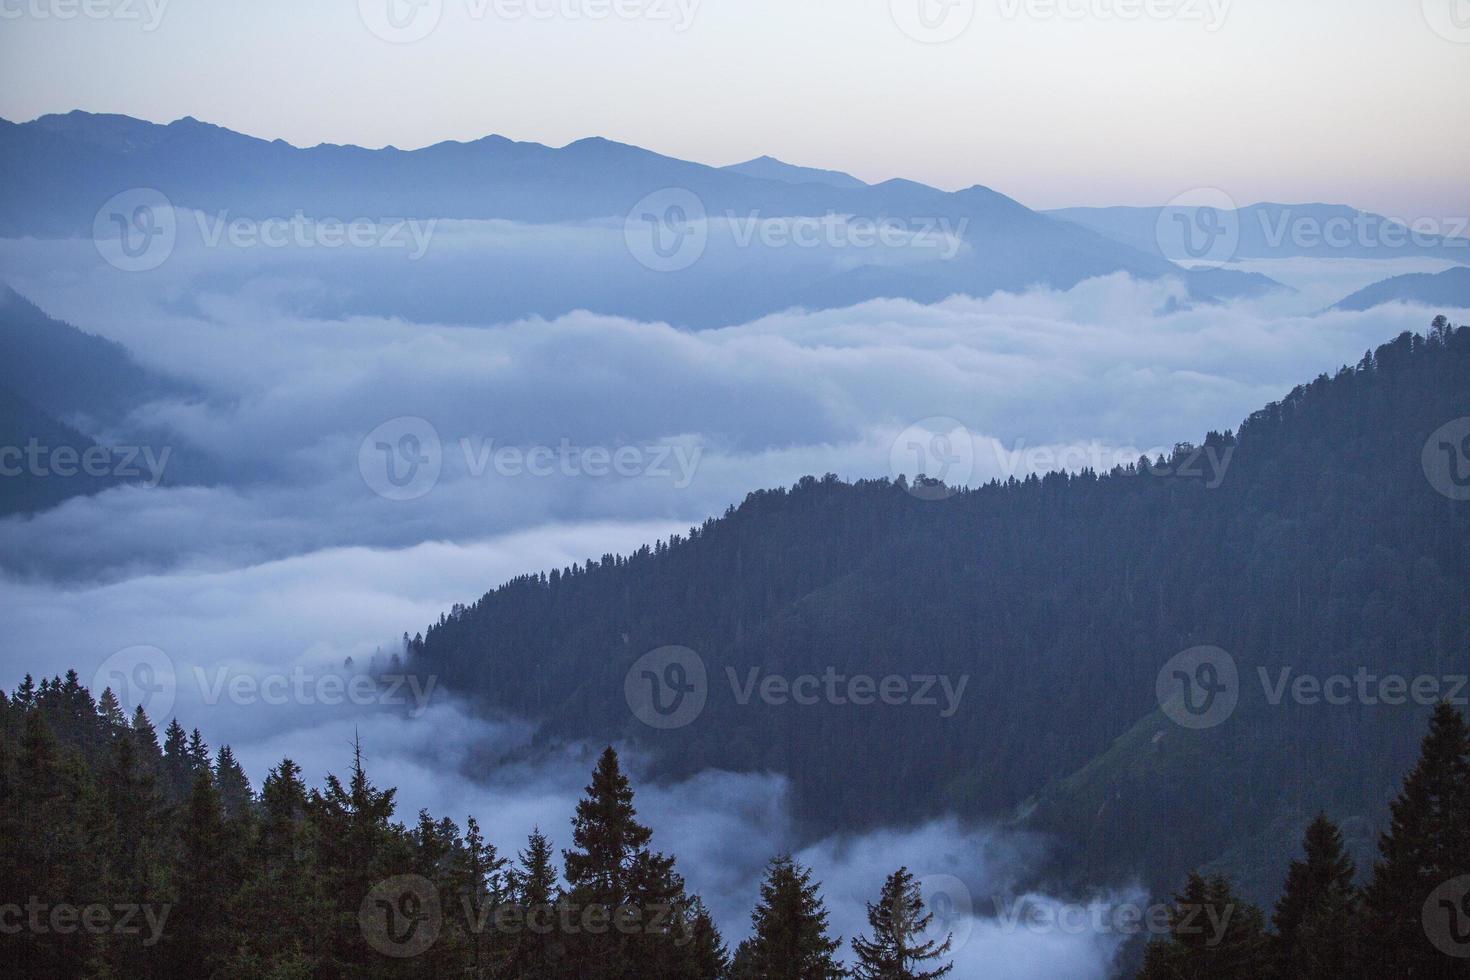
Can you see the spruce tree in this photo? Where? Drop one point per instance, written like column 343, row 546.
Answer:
column 539, row 950
column 790, row 926
column 200, row 933
column 1427, row 845
column 1315, row 916
column 898, row 950
column 477, row 876
column 625, row 897
column 281, row 904
column 1213, row 935
column 178, row 773
column 233, row 785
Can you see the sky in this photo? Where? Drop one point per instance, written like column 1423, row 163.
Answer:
column 1054, row 102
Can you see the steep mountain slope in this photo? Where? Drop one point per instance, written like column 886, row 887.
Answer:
column 25, row 487
column 63, row 387
column 74, row 375
column 1310, row 540
column 1448, row 290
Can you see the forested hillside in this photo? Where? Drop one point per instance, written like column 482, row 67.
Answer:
column 1309, row 539
column 124, row 857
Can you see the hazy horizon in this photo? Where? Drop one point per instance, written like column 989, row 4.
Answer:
column 1012, row 101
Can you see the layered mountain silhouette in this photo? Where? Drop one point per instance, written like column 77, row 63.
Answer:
column 1443, row 290
column 1265, row 231
column 63, row 387
column 1311, row 541
column 59, row 170
column 769, row 168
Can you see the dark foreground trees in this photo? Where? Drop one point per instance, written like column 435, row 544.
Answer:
column 123, row 858
column 899, row 948
column 1411, row 920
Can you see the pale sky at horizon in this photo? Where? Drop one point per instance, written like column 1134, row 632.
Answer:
column 1053, row 102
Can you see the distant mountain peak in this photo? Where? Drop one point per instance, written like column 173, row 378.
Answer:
column 769, row 168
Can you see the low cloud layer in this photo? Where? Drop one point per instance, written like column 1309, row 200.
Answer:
column 599, row 418
column 342, row 525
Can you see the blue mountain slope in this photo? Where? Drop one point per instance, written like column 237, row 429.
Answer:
column 1448, row 290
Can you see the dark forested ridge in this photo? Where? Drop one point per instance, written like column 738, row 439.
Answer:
column 1310, row 539
column 124, row 857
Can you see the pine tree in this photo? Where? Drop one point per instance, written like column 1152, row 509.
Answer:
column 178, row 773
column 790, row 926
column 538, row 950
column 1214, row 935
column 481, row 876
column 200, row 936
column 358, row 847
column 146, row 737
column 281, row 905
column 898, row 950
column 613, row 878
column 111, row 712
column 234, row 787
column 1315, row 916
column 198, row 753
column 706, row 956
column 1427, row 845
column 607, row 836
